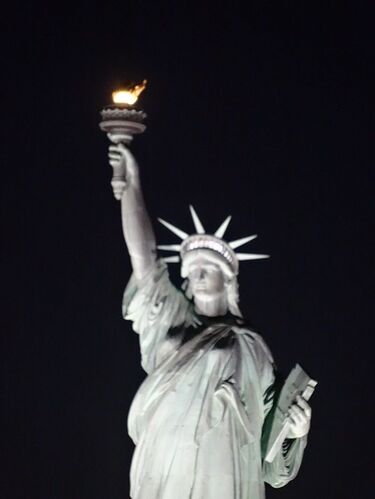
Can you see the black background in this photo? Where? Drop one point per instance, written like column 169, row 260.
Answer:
column 263, row 110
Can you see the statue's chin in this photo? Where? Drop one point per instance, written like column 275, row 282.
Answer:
column 205, row 295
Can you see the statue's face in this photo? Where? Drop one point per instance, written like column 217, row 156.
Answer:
column 206, row 278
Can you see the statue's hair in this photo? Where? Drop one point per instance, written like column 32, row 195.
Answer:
column 233, row 297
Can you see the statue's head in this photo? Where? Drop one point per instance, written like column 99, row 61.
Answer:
column 209, row 277
column 208, row 263
column 206, row 277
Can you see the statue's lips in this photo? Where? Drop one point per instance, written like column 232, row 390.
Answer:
column 200, row 286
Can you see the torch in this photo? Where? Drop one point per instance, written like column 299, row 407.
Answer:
column 121, row 121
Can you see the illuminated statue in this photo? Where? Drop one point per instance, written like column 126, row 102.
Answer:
column 198, row 420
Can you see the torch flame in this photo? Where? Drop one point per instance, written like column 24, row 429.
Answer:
column 130, row 95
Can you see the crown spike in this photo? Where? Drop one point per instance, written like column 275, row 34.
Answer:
column 169, row 247
column 197, row 223
column 250, row 256
column 239, row 242
column 171, row 259
column 180, row 233
column 223, row 227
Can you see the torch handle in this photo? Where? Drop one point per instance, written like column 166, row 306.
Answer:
column 118, row 181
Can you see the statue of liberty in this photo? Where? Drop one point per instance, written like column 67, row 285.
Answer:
column 199, row 419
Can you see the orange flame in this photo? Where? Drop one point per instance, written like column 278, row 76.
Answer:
column 129, row 95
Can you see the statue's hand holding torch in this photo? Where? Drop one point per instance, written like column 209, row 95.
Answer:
column 125, row 167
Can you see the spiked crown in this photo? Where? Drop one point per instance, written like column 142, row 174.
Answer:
column 211, row 243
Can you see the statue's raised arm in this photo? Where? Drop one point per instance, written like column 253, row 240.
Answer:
column 138, row 233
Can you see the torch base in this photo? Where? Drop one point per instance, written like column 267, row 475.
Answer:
column 125, row 129
column 121, row 121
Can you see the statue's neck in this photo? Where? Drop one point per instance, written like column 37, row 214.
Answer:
column 213, row 307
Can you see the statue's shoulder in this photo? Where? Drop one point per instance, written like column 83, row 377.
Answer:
column 253, row 338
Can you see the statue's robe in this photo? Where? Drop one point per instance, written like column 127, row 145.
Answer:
column 198, row 417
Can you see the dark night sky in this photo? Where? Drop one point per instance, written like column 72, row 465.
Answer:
column 265, row 113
